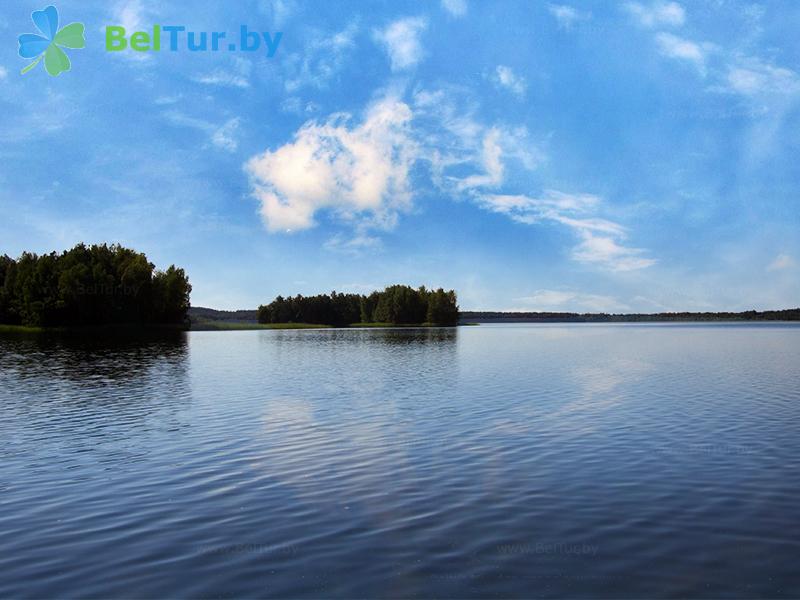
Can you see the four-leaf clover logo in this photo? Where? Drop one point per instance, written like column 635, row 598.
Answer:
column 49, row 44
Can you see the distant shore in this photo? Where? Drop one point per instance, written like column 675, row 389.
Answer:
column 792, row 314
column 209, row 319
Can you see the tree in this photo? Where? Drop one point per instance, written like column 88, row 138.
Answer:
column 397, row 304
column 94, row 285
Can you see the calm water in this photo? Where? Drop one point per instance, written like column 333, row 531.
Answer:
column 515, row 460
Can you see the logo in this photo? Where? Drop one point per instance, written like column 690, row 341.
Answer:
column 177, row 37
column 49, row 45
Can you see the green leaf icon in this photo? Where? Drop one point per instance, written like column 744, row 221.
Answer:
column 71, row 36
column 55, row 61
column 49, row 44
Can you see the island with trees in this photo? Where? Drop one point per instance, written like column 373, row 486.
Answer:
column 395, row 305
column 110, row 285
column 96, row 285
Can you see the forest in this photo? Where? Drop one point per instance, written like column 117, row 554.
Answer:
column 90, row 285
column 396, row 305
column 791, row 314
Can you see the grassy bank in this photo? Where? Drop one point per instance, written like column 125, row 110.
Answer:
column 396, row 325
column 197, row 325
column 20, row 329
column 122, row 329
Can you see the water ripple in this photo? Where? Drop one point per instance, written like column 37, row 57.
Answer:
column 502, row 461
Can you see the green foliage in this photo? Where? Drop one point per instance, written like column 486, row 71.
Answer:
column 90, row 285
column 397, row 304
column 790, row 314
column 442, row 307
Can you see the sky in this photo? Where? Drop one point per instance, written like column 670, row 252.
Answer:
column 583, row 156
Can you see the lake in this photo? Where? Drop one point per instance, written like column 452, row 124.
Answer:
column 519, row 460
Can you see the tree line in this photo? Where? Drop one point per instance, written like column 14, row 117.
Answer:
column 396, row 305
column 90, row 285
column 791, row 314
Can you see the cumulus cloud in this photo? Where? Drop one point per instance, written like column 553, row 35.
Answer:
column 457, row 8
column 600, row 238
column 504, row 77
column 3, row 72
column 681, row 49
column 402, row 43
column 357, row 170
column 567, row 16
column 781, row 262
column 657, row 14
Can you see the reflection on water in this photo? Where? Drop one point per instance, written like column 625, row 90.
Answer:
column 85, row 358
column 515, row 460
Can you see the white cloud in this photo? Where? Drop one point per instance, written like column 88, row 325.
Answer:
column 782, row 261
column 567, row 16
column 401, row 40
column 279, row 11
column 225, row 137
column 682, row 49
column 554, row 205
column 222, row 136
column 357, row 170
column 491, row 156
column 320, row 60
column 456, row 143
column 356, row 245
column 607, row 252
column 167, row 100
column 237, row 76
column 505, row 77
column 657, row 14
column 598, row 236
column 568, row 301
column 753, row 77
column 129, row 14
column 132, row 15
column 222, row 78
column 296, row 105
column 3, row 72
column 457, row 8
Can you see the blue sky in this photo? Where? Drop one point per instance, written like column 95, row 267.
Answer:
column 592, row 156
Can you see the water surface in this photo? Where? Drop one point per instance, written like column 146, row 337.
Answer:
column 511, row 460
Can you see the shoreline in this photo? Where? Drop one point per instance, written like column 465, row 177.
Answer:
column 133, row 330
